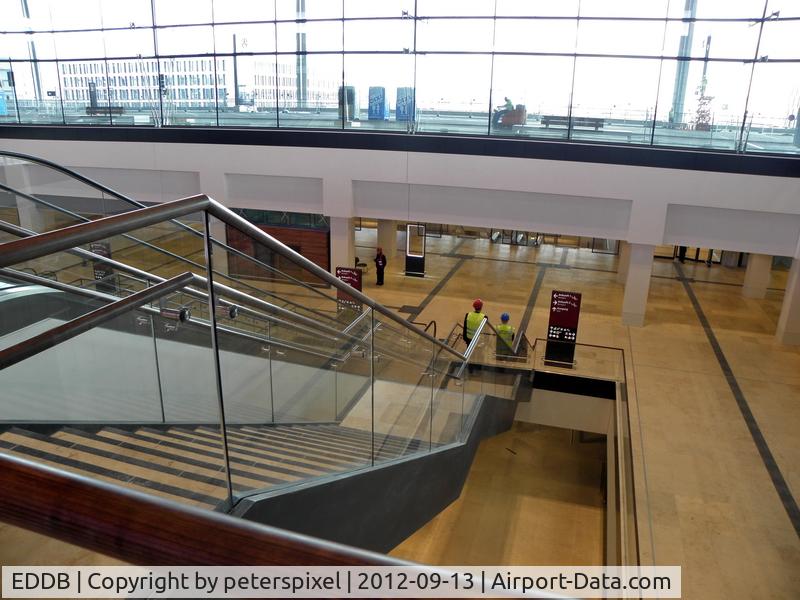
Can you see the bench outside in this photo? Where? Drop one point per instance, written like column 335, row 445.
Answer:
column 104, row 110
column 594, row 122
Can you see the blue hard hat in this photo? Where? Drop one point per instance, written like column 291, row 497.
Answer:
column 504, row 317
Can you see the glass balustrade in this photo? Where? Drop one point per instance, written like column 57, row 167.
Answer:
column 288, row 379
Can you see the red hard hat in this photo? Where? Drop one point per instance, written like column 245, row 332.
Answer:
column 477, row 304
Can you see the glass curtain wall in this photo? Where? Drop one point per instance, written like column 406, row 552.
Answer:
column 709, row 74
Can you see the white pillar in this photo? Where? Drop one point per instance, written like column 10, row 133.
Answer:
column 387, row 237
column 623, row 261
column 789, row 321
column 757, row 276
column 343, row 243
column 637, row 284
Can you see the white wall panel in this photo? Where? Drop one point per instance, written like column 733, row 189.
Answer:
column 736, row 230
column 146, row 185
column 270, row 192
column 613, row 201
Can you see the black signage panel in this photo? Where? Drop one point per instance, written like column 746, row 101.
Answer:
column 562, row 330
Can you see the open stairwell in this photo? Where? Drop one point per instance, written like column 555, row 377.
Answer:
column 186, row 463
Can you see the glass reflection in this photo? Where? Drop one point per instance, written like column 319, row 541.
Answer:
column 665, row 73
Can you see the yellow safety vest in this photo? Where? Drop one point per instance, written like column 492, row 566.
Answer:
column 473, row 320
column 506, row 333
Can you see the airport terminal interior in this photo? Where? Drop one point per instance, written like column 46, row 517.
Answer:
column 341, row 269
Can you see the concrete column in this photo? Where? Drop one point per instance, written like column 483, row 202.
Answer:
column 387, row 237
column 343, row 243
column 757, row 276
column 623, row 261
column 789, row 320
column 637, row 284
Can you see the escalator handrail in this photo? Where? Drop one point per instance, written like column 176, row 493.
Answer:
column 66, row 331
column 62, row 239
column 70, row 289
column 245, row 299
column 107, row 190
column 172, row 255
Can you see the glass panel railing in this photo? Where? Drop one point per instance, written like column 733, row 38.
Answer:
column 450, row 403
column 117, row 402
column 285, row 380
column 403, row 392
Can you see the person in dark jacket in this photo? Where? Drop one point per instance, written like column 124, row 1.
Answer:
column 380, row 265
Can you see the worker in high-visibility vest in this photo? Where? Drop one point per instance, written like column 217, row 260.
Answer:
column 473, row 320
column 505, row 335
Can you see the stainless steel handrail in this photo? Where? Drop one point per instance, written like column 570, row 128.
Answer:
column 473, row 343
column 94, row 294
column 66, row 331
column 106, row 190
column 172, row 255
column 55, row 241
column 241, row 297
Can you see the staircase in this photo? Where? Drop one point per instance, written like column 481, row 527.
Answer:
column 185, row 463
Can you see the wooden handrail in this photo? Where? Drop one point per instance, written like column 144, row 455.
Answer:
column 147, row 530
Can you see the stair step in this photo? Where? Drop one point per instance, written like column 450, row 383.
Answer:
column 238, row 467
column 288, row 449
column 14, row 442
column 308, row 460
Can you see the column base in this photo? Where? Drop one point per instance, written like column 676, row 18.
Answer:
column 633, row 319
column 754, row 292
column 789, row 338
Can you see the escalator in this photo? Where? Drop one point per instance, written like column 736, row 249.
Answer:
column 128, row 354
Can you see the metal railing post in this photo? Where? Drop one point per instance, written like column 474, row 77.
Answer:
column 271, row 386
column 215, row 352
column 372, row 380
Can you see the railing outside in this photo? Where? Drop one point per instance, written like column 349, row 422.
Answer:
column 647, row 73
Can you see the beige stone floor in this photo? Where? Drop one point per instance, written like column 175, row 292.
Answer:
column 705, row 500
column 532, row 497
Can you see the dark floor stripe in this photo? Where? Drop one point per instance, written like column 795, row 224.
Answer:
column 123, row 477
column 454, row 250
column 785, row 494
column 728, row 283
column 537, row 286
column 564, row 257
column 437, row 288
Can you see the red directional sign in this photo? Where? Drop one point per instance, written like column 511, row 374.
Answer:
column 351, row 277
